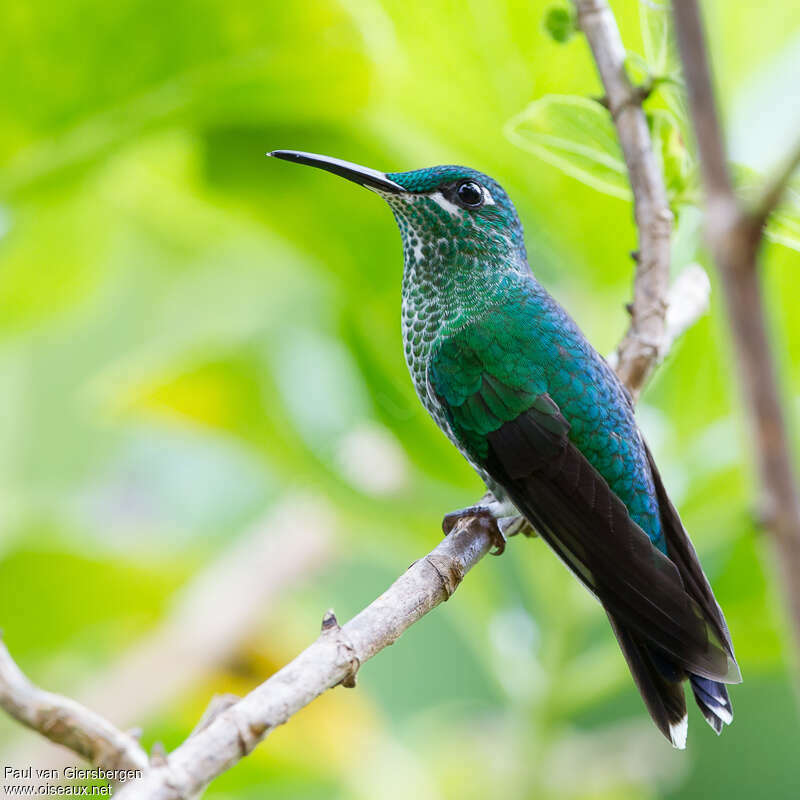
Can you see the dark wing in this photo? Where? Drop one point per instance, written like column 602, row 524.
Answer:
column 682, row 553
column 588, row 526
column 711, row 696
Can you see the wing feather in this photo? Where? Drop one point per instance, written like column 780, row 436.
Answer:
column 578, row 515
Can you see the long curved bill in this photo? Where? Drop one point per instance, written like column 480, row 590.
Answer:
column 363, row 176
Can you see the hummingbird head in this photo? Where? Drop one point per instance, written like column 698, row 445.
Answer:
column 459, row 227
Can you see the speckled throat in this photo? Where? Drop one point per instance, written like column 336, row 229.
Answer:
column 455, row 268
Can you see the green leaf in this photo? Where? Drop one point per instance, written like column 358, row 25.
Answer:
column 661, row 52
column 675, row 161
column 559, row 23
column 58, row 117
column 658, row 36
column 638, row 69
column 576, row 135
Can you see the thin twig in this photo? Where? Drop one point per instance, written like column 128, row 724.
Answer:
column 66, row 722
column 638, row 351
column 700, row 88
column 687, row 301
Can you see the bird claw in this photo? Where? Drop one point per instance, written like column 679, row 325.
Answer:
column 517, row 524
column 449, row 522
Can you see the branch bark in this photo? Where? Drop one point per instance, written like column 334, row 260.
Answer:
column 734, row 236
column 67, row 722
column 333, row 659
column 639, row 349
column 687, row 300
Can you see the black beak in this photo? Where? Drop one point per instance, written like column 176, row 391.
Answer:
column 364, row 176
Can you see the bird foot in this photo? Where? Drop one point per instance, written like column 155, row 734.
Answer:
column 502, row 524
column 450, row 521
column 517, row 524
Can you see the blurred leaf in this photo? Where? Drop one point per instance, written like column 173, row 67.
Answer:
column 320, row 386
column 658, row 37
column 27, row 253
column 661, row 52
column 660, row 46
column 577, row 136
column 638, row 69
column 73, row 93
column 108, row 601
column 559, row 22
column 673, row 158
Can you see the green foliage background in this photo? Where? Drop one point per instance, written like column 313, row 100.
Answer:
column 190, row 331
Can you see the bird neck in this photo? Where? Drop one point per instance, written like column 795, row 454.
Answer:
column 454, row 267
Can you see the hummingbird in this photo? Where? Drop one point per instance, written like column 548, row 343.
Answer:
column 509, row 377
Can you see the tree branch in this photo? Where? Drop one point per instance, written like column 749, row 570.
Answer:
column 67, row 722
column 687, row 300
column 333, row 659
column 734, row 241
column 708, row 132
column 639, row 349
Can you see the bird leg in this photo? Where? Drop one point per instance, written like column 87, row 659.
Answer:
column 501, row 523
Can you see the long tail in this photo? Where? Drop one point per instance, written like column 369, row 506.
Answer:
column 660, row 682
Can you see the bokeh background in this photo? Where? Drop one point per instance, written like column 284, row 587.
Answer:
column 208, row 435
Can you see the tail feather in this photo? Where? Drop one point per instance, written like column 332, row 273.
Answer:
column 664, row 698
column 660, row 683
column 712, row 699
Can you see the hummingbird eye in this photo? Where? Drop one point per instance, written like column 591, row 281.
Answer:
column 470, row 194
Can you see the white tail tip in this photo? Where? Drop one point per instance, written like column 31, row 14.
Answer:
column 678, row 732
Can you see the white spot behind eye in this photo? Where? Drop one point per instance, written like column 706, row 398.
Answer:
column 488, row 200
column 444, row 203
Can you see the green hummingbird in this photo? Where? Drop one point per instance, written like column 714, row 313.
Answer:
column 508, row 376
